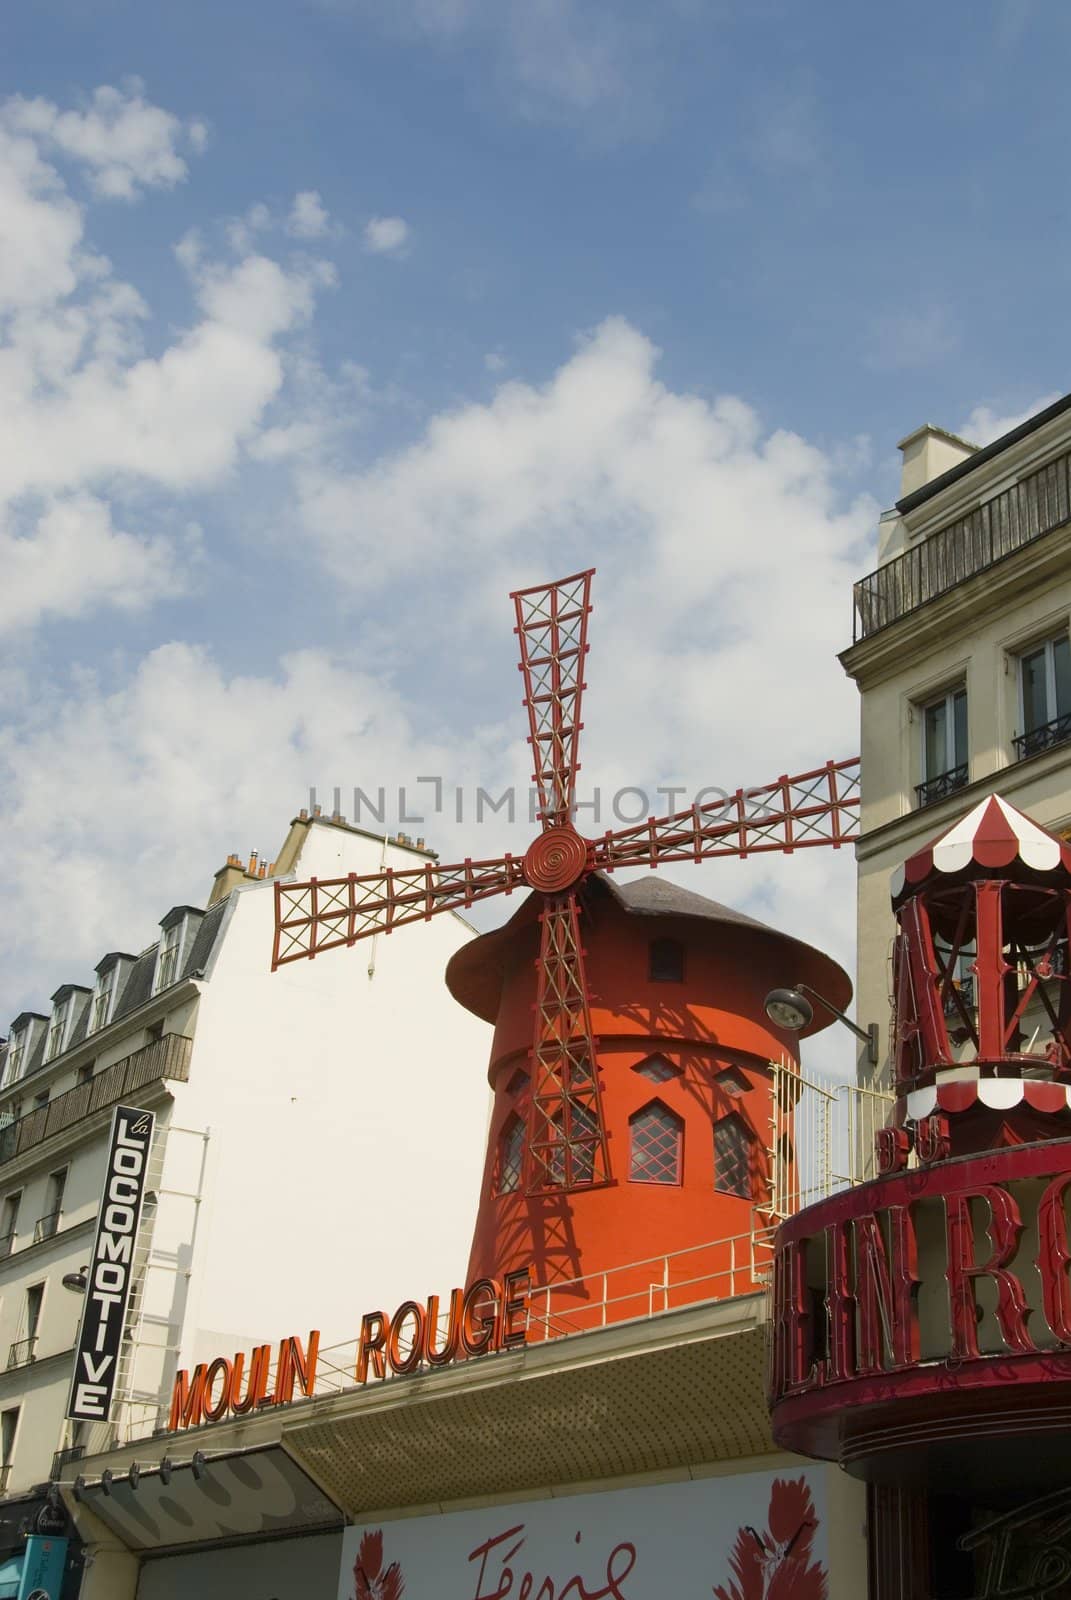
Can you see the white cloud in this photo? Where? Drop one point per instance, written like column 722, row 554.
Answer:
column 139, row 789
column 75, row 560
column 986, row 424
column 308, row 217
column 124, row 142
column 386, row 236
column 86, row 414
column 494, row 361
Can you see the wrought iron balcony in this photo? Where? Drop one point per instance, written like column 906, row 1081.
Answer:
column 22, row 1352
column 1030, row 508
column 168, row 1057
column 1058, row 731
column 63, row 1458
column 46, row 1227
column 944, row 783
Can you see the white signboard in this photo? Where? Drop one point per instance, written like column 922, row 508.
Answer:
column 754, row 1536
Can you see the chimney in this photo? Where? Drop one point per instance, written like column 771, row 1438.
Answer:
column 229, row 875
column 927, row 453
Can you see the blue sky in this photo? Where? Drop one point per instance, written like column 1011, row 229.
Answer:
column 568, row 283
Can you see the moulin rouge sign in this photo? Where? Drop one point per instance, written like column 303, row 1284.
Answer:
column 849, row 1273
column 491, row 1314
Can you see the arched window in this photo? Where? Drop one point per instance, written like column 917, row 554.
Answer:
column 655, row 1140
column 732, row 1156
column 510, row 1156
column 732, row 1082
column 666, row 961
column 656, row 1069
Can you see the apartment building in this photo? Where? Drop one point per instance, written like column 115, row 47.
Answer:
column 287, row 1122
column 962, row 657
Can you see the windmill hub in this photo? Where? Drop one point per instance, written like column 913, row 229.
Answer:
column 556, row 860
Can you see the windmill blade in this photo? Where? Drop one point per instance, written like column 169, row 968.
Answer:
column 813, row 808
column 566, row 1146
column 552, row 627
column 323, row 913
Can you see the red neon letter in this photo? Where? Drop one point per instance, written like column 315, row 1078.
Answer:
column 1053, row 1258
column 373, row 1338
column 885, row 1286
column 792, row 1369
column 441, row 1358
column 409, row 1363
column 962, row 1272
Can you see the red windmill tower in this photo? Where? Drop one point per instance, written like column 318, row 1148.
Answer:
column 556, row 1191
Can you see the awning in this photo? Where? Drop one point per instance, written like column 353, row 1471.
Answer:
column 991, row 839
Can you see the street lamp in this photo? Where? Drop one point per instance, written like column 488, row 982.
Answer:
column 790, row 1009
column 77, row 1282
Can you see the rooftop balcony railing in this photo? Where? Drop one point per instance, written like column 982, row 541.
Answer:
column 1030, row 508
column 168, row 1057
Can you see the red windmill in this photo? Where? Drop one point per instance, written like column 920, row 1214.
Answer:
column 565, row 1148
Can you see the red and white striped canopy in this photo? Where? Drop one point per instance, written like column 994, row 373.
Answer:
column 992, row 837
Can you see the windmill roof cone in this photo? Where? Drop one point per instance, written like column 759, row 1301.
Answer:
column 562, row 1152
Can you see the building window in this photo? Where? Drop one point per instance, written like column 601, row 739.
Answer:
column 9, row 1427
column 85, row 1073
column 510, row 1156
column 48, row 1225
column 16, row 1055
column 655, row 1140
column 666, row 961
column 102, row 999
column 732, row 1083
column 585, row 1133
column 167, row 956
column 732, row 1156
column 1044, row 697
column 656, row 1069
column 944, row 747
column 57, row 1028
column 9, row 1221
column 40, row 1101
column 25, row 1349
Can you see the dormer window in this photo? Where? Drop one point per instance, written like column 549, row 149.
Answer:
column 102, row 998
column 167, row 957
column 16, row 1055
column 58, row 1027
column 173, row 942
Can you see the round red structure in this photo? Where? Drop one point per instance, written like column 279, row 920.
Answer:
column 677, row 985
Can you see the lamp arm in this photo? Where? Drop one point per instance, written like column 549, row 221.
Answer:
column 869, row 1035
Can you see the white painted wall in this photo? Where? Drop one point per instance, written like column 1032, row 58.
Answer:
column 348, row 1118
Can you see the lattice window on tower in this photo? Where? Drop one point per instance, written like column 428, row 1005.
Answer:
column 510, row 1156
column 666, row 961
column 656, row 1069
column 655, row 1140
column 584, row 1125
column 732, row 1083
column 732, row 1156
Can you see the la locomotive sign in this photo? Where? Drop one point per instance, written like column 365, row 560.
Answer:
column 491, row 1314
column 895, row 1298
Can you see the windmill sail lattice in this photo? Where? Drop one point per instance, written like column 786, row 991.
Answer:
column 566, row 1147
